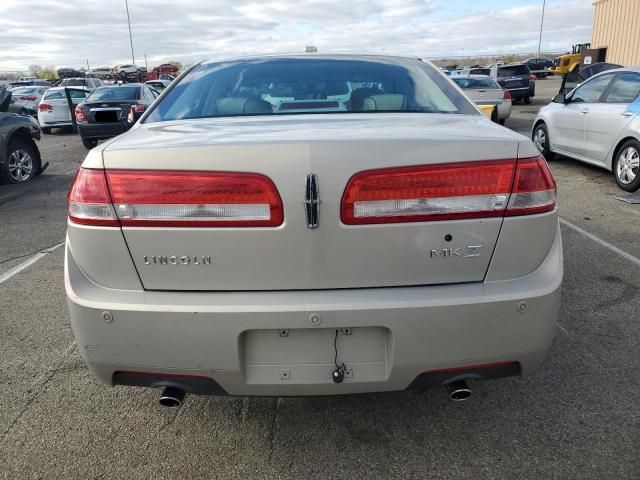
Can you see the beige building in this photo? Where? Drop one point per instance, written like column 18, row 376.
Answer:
column 616, row 26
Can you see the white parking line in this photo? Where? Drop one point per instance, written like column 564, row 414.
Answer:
column 17, row 269
column 599, row 241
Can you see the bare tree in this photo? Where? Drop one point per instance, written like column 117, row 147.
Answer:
column 36, row 70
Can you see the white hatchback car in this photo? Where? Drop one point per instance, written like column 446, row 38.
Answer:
column 53, row 110
column 598, row 122
column 316, row 245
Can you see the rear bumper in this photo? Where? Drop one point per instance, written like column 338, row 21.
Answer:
column 211, row 335
column 519, row 92
column 504, row 110
column 100, row 131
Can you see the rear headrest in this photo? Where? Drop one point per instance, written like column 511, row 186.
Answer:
column 388, row 101
column 242, row 106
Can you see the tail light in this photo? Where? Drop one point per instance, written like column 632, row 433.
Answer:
column 506, row 95
column 45, row 107
column 134, row 112
column 534, row 190
column 28, row 98
column 449, row 191
column 88, row 201
column 532, row 77
column 81, row 116
column 137, row 107
column 181, row 199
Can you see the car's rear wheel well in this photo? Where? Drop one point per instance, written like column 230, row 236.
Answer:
column 617, row 148
column 23, row 135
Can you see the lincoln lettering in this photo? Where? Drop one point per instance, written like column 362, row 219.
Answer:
column 177, row 260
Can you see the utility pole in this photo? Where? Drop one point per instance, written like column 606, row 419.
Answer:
column 133, row 57
column 88, row 65
column 541, row 23
column 145, row 62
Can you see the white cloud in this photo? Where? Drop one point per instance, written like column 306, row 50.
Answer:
column 66, row 33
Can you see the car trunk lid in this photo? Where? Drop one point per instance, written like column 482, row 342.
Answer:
column 110, row 111
column 292, row 255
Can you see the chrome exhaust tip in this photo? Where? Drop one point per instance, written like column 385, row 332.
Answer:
column 172, row 397
column 459, row 391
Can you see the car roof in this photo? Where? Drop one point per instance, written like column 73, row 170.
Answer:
column 312, row 56
column 70, row 87
column 121, row 85
column 475, row 75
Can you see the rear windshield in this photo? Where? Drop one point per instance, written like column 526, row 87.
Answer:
column 475, row 82
column 73, row 82
column 513, row 71
column 23, row 90
column 284, row 86
column 59, row 94
column 102, row 94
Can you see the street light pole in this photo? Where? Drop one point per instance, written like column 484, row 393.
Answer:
column 133, row 57
column 541, row 23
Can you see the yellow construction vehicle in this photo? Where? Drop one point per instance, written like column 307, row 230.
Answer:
column 565, row 63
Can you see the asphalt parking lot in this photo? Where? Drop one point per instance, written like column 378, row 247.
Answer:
column 577, row 417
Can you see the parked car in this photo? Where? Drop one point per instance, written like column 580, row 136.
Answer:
column 158, row 85
column 597, row 123
column 53, row 110
column 86, row 82
column 466, row 71
column 579, row 74
column 104, row 113
column 20, row 158
column 328, row 241
column 517, row 80
column 69, row 73
column 104, row 73
column 166, row 69
column 484, row 90
column 128, row 73
column 540, row 67
column 25, row 100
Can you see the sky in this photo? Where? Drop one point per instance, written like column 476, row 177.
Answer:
column 67, row 33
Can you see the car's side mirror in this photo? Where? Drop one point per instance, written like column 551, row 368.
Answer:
column 560, row 98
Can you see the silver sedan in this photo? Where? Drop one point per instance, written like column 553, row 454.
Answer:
column 313, row 225
column 598, row 123
column 484, row 90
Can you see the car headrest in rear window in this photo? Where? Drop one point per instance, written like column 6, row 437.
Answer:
column 389, row 101
column 242, row 106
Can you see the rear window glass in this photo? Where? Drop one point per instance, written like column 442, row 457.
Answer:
column 625, row 89
column 59, row 94
column 23, row 90
column 283, row 86
column 513, row 71
column 102, row 94
column 74, row 82
column 475, row 82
